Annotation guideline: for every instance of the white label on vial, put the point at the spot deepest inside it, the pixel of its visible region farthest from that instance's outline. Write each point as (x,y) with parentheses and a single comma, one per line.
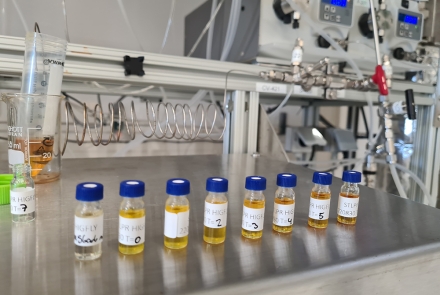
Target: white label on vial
(283,214)
(297,55)
(215,215)
(253,219)
(131,231)
(348,207)
(176,224)
(89,231)
(319,209)
(22,200)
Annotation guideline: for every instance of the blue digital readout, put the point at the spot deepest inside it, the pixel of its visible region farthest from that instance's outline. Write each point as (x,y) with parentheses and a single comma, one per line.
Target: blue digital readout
(342,3)
(408,19)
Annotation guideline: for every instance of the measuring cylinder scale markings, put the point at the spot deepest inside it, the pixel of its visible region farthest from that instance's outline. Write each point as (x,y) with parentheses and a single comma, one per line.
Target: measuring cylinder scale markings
(22,194)
(89,221)
(284,203)
(320,200)
(216,210)
(132,217)
(176,224)
(31,143)
(253,207)
(348,202)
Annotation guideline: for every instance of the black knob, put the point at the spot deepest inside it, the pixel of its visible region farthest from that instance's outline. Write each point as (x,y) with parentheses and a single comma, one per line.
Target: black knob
(295,24)
(286,18)
(364,26)
(399,53)
(410,107)
(323,43)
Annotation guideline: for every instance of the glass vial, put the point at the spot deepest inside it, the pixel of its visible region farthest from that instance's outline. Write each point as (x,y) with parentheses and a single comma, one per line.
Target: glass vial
(349,197)
(89,221)
(320,200)
(132,217)
(284,203)
(177,214)
(216,209)
(22,194)
(253,207)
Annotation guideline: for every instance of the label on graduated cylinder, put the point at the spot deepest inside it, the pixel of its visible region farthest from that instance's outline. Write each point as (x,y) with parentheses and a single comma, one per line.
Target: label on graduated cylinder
(319,209)
(176,224)
(253,219)
(215,215)
(131,231)
(283,214)
(89,231)
(348,207)
(22,200)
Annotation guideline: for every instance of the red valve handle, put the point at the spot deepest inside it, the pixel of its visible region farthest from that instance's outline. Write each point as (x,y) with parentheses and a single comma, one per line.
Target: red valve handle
(380,80)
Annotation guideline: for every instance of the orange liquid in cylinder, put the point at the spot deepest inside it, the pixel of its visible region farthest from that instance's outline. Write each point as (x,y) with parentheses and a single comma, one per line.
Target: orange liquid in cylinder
(37,152)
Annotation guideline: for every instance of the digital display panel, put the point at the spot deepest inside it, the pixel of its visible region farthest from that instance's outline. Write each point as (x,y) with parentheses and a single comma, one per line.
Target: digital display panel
(408,19)
(342,3)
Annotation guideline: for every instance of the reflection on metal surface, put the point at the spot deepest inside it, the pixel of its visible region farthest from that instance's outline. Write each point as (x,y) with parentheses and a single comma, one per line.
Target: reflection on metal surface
(212,264)
(24,255)
(88,277)
(130,273)
(280,246)
(317,246)
(249,256)
(173,269)
(346,241)
(269,143)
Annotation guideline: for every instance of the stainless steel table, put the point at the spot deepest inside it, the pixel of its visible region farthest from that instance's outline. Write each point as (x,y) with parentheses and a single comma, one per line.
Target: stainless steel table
(393,249)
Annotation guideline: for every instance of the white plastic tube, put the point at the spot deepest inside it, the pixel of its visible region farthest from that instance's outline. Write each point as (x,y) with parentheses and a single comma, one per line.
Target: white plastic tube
(422,186)
(282,104)
(170,21)
(234,18)
(397,181)
(211,30)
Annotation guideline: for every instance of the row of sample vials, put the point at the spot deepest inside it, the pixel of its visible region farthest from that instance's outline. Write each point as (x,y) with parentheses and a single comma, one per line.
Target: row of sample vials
(89,213)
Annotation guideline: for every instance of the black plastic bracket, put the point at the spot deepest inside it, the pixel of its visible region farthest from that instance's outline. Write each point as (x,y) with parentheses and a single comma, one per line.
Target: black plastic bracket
(410,107)
(134,66)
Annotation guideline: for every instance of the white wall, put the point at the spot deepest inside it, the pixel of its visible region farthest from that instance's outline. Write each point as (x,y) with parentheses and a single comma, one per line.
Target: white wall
(100,22)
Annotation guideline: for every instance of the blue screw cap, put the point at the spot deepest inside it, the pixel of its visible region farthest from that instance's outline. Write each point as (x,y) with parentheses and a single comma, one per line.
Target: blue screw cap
(178,187)
(323,178)
(352,176)
(286,180)
(255,183)
(89,192)
(217,185)
(132,188)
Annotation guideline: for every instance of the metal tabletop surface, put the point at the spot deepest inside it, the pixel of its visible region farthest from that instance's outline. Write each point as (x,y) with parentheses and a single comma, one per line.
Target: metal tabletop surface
(393,249)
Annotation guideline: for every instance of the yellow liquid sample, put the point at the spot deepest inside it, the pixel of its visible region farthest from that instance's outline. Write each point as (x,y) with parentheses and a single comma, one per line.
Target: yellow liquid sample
(135,249)
(176,243)
(254,204)
(347,220)
(40,152)
(288,228)
(214,235)
(315,222)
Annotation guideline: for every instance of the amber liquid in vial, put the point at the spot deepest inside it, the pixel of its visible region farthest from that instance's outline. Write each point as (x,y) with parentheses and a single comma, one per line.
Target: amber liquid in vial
(90,252)
(315,222)
(253,204)
(288,228)
(214,235)
(176,243)
(128,249)
(343,219)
